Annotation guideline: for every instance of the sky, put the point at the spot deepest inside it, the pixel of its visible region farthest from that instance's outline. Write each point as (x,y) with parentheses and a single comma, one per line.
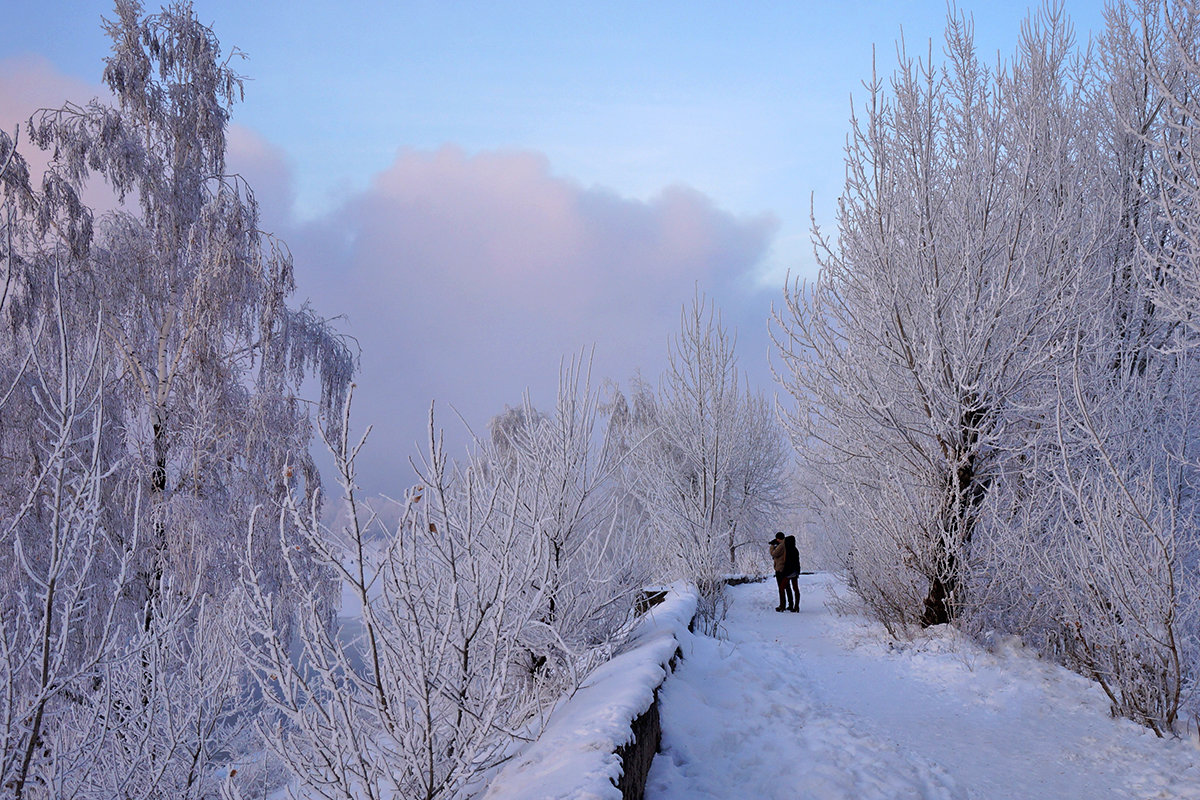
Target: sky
(481,190)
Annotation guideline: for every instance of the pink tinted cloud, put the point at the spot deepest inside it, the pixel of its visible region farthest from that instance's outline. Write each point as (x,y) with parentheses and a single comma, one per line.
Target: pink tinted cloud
(499,224)
(31,83)
(28,83)
(266,169)
(466,278)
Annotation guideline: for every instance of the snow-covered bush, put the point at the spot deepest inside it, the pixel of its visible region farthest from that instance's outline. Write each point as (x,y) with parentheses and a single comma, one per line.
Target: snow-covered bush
(492,596)
(427,694)
(558,471)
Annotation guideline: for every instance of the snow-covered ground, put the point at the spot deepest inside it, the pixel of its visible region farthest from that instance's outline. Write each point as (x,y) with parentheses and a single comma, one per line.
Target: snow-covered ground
(813,705)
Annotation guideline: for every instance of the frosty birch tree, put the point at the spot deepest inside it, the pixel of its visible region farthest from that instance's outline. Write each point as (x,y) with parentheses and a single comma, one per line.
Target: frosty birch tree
(56,557)
(194,293)
(93,706)
(194,359)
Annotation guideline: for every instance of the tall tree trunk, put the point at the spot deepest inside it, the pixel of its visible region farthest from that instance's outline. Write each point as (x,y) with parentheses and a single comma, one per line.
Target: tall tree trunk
(965,492)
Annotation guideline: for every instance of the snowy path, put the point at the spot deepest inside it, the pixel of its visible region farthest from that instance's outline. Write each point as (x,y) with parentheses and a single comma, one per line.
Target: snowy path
(812,705)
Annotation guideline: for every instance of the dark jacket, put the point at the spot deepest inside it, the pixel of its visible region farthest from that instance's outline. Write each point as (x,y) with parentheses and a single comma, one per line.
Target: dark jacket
(791,560)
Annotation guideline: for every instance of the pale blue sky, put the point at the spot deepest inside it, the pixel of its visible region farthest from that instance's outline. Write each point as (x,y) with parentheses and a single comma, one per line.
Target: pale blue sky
(482,189)
(745,102)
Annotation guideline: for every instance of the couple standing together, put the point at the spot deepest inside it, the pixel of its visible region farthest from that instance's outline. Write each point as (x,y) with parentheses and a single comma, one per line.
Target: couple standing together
(787,571)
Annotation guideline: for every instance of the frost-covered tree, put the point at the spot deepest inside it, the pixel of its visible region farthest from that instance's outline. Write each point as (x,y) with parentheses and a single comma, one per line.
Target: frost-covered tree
(1110,523)
(708,460)
(1093,556)
(191,294)
(1093,550)
(560,469)
(149,372)
(927,342)
(1160,43)
(995,370)
(425,683)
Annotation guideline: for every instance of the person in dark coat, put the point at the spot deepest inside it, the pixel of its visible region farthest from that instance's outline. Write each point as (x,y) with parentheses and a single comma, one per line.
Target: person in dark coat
(791,573)
(778,547)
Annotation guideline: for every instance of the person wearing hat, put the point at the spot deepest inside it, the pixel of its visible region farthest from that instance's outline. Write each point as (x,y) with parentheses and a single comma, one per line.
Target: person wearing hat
(779,553)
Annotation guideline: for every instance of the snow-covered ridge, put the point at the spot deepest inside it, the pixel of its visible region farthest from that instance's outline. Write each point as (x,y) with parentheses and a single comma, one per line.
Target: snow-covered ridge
(576,755)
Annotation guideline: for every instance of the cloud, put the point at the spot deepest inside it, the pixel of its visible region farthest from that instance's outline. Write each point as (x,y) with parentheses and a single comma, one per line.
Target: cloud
(31,83)
(466,278)
(266,169)
(28,83)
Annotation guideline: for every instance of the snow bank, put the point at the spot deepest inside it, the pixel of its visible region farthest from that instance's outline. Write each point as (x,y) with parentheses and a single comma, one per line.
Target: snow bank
(576,756)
